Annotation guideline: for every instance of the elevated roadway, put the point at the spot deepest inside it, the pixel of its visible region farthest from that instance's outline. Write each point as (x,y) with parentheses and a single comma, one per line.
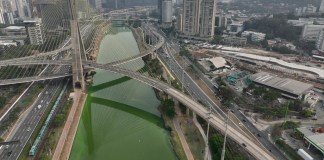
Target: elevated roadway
(202,111)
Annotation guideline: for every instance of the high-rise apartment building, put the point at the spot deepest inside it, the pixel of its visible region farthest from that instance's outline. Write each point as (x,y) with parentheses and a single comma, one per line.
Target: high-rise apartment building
(199,18)
(190,22)
(166,11)
(321,7)
(8,18)
(320,41)
(34,30)
(207,18)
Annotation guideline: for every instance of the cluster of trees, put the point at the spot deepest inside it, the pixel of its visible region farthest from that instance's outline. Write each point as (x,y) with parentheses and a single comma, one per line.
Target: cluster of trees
(168,108)
(274,27)
(185,52)
(273,111)
(268,95)
(283,50)
(3,101)
(155,67)
(62,114)
(216,141)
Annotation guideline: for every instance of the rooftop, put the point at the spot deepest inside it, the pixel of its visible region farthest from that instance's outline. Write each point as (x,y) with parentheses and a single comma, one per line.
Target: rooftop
(218,62)
(283,84)
(316,139)
(15,28)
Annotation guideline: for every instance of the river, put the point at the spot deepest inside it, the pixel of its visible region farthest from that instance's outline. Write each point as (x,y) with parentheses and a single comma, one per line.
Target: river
(120,120)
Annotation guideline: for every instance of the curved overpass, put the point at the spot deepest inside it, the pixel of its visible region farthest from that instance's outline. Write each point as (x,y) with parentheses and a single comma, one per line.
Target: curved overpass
(215,121)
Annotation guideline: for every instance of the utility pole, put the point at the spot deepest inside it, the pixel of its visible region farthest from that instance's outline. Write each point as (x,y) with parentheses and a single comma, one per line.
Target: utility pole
(182,79)
(286,115)
(224,145)
(207,134)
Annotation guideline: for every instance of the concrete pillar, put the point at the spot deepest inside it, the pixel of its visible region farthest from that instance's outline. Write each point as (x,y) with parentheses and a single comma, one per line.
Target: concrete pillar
(187,111)
(308,145)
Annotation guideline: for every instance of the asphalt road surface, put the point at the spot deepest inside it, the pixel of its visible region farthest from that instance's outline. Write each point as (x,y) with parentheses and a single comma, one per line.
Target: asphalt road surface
(195,91)
(25,130)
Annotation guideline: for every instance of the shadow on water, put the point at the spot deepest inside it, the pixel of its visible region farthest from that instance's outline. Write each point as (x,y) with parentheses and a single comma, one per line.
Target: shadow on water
(156,120)
(102,86)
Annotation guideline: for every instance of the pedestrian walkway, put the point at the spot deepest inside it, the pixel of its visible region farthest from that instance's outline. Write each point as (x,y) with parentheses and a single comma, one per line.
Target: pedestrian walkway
(183,141)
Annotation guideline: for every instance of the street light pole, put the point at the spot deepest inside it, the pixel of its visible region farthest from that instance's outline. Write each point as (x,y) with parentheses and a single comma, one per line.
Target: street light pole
(224,145)
(182,81)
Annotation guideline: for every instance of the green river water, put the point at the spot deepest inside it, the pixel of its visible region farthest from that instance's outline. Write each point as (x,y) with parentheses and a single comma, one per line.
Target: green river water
(120,120)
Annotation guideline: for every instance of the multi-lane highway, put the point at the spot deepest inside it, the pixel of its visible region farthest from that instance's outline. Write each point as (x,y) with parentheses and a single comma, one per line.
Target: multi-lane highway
(26,128)
(195,91)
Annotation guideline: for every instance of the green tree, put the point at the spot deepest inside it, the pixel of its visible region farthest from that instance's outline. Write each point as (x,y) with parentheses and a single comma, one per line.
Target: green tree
(217,39)
(271,95)
(306,113)
(3,101)
(168,108)
(59,120)
(137,23)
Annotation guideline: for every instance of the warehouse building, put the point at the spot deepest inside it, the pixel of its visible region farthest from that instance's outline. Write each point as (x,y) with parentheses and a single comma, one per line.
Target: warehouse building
(287,87)
(314,137)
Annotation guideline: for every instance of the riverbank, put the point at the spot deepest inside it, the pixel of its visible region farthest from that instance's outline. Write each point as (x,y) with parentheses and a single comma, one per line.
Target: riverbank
(94,47)
(64,146)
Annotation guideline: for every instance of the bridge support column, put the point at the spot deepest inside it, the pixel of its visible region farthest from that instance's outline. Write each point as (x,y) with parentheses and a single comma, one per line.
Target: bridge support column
(187,111)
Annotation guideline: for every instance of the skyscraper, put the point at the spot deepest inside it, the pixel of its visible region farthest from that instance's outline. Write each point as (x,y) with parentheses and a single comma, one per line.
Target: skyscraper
(207,18)
(321,8)
(199,18)
(190,19)
(166,11)
(320,41)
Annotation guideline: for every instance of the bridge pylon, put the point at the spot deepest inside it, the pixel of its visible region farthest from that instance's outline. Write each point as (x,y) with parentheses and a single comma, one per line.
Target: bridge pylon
(78,51)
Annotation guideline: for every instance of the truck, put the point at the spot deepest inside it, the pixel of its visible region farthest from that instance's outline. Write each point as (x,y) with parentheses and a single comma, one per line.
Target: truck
(304,155)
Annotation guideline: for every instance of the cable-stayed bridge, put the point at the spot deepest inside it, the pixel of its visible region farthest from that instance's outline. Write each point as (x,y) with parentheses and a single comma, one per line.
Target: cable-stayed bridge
(72,52)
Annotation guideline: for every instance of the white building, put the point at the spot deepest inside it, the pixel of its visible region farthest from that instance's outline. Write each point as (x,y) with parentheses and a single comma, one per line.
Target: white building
(310,9)
(167,11)
(235,28)
(35,31)
(320,41)
(255,36)
(7,43)
(14,30)
(310,32)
